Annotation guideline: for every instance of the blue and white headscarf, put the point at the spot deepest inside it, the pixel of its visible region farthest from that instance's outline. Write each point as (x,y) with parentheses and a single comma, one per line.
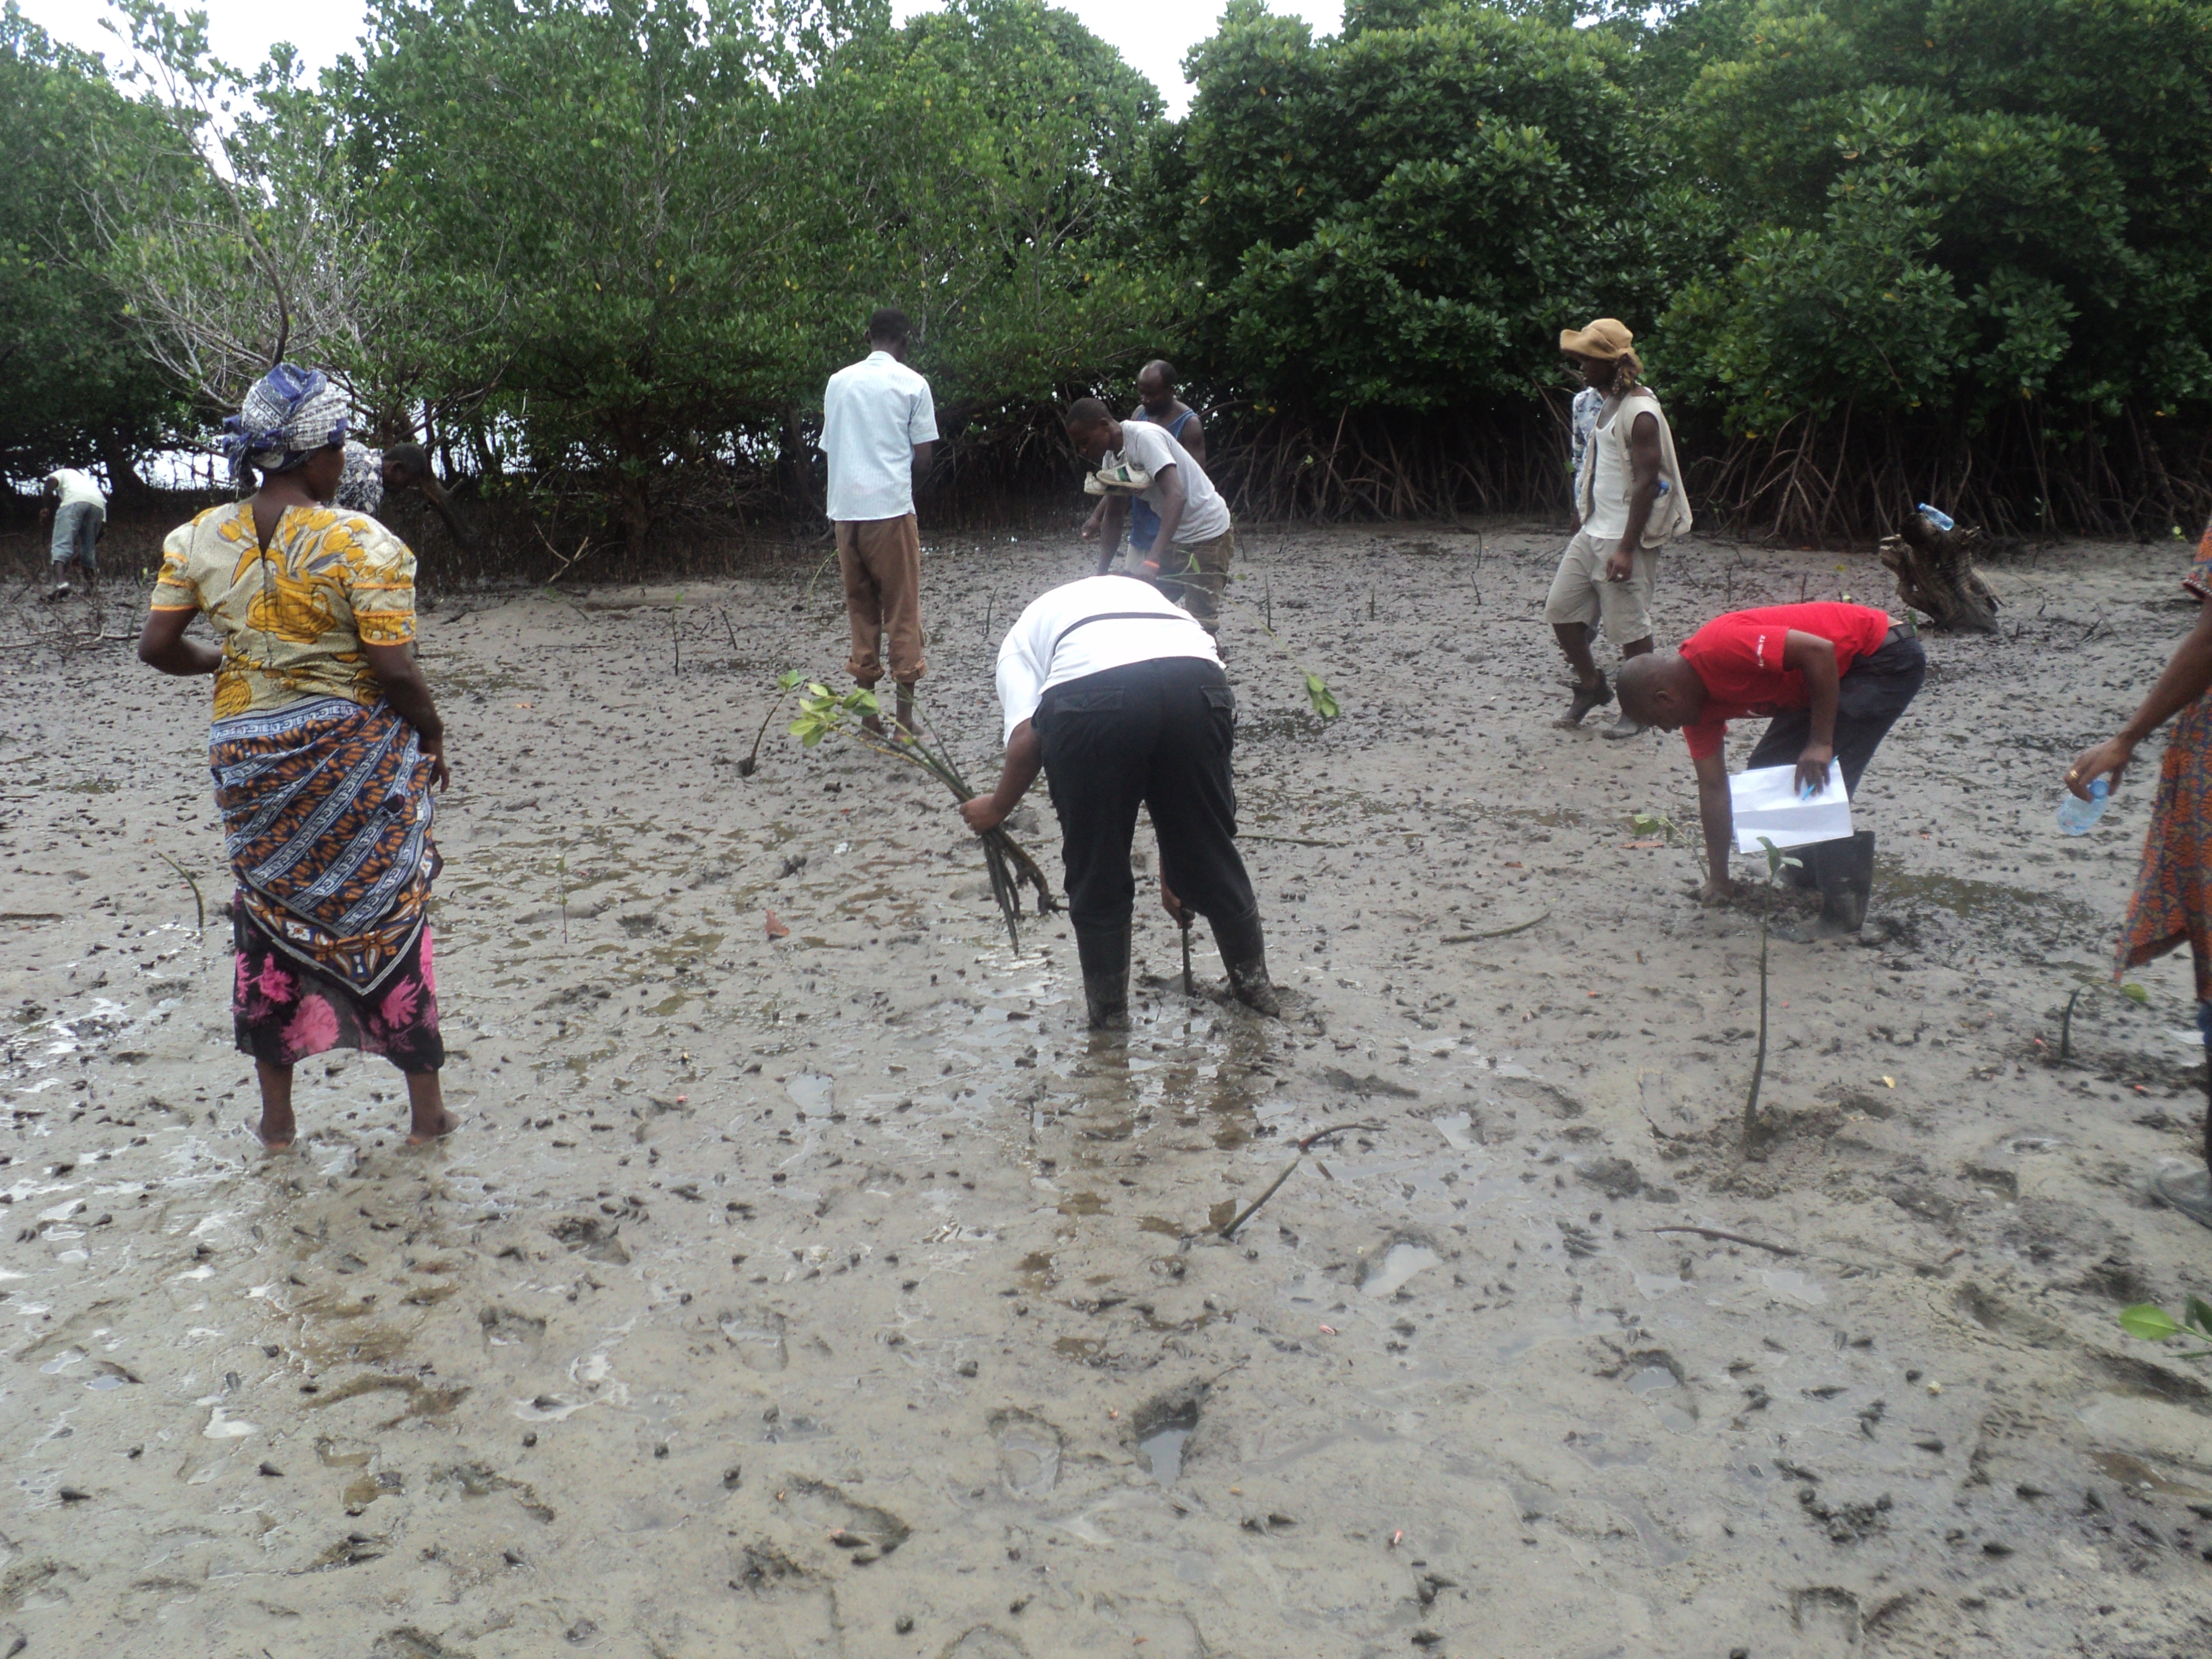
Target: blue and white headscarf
(290,413)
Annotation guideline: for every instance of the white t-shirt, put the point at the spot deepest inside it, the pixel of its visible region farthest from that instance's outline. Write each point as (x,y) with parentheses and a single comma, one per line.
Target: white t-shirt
(1205,514)
(1045,648)
(78,487)
(873,414)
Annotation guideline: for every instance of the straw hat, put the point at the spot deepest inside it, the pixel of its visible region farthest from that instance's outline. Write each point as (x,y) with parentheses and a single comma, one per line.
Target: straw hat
(1605,339)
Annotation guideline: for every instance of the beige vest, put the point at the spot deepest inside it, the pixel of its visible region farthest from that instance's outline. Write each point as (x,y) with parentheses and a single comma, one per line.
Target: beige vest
(1610,479)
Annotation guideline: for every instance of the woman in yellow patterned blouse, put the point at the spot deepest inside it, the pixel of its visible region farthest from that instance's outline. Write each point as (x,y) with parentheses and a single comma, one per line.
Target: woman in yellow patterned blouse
(325,747)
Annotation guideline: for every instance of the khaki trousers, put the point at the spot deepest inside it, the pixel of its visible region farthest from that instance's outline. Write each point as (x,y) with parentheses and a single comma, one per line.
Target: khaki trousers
(881,561)
(1196,574)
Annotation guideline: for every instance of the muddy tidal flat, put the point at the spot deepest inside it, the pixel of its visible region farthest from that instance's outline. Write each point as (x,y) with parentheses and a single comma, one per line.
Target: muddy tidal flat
(836,1294)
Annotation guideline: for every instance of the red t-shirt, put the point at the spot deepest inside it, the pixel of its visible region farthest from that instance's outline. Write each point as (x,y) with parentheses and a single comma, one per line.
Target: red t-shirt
(1739,657)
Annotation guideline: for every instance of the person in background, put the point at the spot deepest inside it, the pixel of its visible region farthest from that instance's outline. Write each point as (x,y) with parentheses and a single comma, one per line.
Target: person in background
(79,508)
(1118,695)
(369,473)
(879,431)
(1196,541)
(2172,901)
(326,747)
(1158,404)
(1834,676)
(1629,502)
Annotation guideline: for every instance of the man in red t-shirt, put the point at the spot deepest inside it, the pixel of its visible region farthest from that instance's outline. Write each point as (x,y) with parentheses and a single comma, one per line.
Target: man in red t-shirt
(1834,678)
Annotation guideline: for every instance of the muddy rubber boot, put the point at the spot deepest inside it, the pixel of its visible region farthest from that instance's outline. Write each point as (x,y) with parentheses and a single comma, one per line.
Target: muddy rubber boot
(1587,697)
(1105,954)
(1843,872)
(1244,949)
(2189,1191)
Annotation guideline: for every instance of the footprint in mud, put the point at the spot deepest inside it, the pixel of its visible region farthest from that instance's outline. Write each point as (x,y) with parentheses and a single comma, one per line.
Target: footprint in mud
(984,1643)
(863,1531)
(1650,1376)
(504,1327)
(1162,1427)
(758,1335)
(1829,1619)
(1028,1453)
(597,1240)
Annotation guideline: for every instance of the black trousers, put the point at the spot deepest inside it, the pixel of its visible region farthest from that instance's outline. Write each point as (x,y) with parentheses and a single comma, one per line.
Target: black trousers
(1157,734)
(1868,699)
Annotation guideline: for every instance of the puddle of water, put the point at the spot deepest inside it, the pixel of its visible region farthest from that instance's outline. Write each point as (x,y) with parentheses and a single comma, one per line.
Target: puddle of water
(1782,1281)
(1456,1129)
(811,1091)
(1159,1224)
(1650,1383)
(1400,1263)
(1160,1449)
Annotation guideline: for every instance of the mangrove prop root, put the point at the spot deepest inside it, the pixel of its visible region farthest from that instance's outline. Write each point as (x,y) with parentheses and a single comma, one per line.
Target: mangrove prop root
(1496,932)
(199,904)
(2066,1026)
(1252,1209)
(1730,1238)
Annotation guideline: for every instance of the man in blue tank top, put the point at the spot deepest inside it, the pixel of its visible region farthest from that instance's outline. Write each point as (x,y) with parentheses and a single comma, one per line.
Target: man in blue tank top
(1156,389)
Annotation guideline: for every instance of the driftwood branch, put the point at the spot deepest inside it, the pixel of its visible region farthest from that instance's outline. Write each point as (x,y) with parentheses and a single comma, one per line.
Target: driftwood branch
(1935,571)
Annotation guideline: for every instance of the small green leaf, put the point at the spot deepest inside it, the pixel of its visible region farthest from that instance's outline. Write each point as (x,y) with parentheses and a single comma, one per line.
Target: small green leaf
(1323,699)
(2134,993)
(2149,1321)
(2199,1314)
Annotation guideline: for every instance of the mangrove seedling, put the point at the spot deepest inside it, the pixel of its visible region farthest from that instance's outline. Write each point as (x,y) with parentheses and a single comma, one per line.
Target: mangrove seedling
(2152,1323)
(786,683)
(823,713)
(1777,862)
(199,904)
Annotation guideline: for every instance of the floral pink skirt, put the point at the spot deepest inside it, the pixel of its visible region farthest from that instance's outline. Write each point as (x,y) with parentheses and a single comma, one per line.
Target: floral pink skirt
(283,1011)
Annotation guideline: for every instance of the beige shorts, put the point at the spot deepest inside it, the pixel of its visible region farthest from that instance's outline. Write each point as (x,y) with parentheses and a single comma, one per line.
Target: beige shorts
(1580,593)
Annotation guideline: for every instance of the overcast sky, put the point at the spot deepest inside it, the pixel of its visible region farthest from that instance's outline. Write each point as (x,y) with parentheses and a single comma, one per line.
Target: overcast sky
(1152,35)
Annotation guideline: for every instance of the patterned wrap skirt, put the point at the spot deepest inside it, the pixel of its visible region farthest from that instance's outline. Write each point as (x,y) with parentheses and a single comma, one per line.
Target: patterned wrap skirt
(326,811)
(2173,902)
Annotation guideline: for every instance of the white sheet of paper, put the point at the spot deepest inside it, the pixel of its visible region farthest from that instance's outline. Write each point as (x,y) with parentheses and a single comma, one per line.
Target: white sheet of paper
(1765,803)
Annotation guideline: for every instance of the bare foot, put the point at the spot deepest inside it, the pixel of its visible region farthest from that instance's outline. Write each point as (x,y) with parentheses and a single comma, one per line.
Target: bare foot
(447,1123)
(270,1143)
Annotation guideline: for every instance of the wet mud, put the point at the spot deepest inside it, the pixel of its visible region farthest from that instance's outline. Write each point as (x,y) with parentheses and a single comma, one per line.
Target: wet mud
(838,1294)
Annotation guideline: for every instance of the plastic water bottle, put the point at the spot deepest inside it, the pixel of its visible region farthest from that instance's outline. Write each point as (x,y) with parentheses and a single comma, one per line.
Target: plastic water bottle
(2076,815)
(1941,521)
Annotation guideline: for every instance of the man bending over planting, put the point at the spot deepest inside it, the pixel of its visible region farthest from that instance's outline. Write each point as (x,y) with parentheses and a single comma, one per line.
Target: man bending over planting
(1833,677)
(1118,698)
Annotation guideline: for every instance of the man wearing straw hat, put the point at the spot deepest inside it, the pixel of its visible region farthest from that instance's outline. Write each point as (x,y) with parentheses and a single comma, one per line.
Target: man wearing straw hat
(1629,502)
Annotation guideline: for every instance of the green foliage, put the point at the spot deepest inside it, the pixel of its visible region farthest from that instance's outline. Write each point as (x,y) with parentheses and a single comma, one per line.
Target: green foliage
(79,386)
(1962,204)
(823,713)
(604,253)
(1403,217)
(2152,1323)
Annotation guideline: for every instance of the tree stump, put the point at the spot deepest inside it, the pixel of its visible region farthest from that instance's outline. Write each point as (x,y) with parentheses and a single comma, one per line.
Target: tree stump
(1935,573)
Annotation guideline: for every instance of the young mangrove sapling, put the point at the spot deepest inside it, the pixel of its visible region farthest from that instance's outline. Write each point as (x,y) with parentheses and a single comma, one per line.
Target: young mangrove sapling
(822,713)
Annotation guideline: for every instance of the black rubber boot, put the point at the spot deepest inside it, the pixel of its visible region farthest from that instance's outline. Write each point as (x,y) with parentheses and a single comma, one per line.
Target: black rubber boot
(1244,949)
(1843,872)
(1105,954)
(1586,698)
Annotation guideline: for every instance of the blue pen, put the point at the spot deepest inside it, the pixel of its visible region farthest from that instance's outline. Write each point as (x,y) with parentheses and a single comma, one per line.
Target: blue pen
(1805,794)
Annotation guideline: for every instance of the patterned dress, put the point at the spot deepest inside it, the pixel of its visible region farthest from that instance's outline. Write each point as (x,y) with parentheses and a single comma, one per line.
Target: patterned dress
(2173,902)
(325,791)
